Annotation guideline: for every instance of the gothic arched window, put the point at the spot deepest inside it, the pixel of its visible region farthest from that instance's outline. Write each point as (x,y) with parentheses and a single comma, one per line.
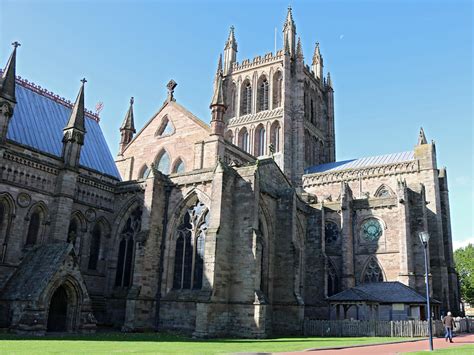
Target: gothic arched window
(34,227)
(94,249)
(163,162)
(373,272)
(275,136)
(277,89)
(123,276)
(4,218)
(178,166)
(262,96)
(144,172)
(190,243)
(260,141)
(246,98)
(72,231)
(244,139)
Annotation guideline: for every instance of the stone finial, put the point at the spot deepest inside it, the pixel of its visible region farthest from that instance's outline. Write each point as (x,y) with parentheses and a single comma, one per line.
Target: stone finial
(219,65)
(422,137)
(171,86)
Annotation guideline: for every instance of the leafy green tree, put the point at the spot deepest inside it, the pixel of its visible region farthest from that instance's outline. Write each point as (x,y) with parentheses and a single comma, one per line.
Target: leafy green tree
(464,260)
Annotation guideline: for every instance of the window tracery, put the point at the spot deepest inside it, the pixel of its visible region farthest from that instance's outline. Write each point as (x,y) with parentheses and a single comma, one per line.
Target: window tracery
(132,227)
(373,272)
(190,248)
(371,230)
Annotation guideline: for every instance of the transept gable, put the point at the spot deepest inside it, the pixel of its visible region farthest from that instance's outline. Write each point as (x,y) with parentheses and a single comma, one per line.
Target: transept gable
(171,119)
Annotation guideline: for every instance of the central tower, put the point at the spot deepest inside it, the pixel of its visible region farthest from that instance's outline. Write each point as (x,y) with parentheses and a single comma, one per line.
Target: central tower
(276,104)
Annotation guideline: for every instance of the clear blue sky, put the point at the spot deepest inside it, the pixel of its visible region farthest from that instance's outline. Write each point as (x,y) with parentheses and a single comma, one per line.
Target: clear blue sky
(396,65)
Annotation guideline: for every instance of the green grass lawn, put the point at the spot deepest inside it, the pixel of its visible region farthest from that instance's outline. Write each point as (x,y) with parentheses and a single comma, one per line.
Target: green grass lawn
(151,343)
(458,350)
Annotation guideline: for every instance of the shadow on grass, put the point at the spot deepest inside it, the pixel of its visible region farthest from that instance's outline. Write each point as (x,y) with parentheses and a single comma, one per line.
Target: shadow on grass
(167,337)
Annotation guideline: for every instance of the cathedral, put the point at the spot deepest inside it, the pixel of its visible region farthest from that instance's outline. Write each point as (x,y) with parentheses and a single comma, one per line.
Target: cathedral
(244,227)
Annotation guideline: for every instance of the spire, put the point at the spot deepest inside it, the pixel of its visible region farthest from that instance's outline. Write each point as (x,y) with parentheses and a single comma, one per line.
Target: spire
(128,122)
(230,51)
(317,54)
(231,42)
(329,81)
(289,34)
(422,137)
(299,49)
(219,65)
(289,19)
(217,105)
(7,81)
(76,120)
(218,97)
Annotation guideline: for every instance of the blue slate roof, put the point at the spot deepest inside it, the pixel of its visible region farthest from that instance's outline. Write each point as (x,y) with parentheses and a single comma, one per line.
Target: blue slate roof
(38,121)
(381,292)
(361,162)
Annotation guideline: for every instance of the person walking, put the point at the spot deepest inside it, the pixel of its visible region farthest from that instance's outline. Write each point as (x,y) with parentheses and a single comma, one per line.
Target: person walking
(448,323)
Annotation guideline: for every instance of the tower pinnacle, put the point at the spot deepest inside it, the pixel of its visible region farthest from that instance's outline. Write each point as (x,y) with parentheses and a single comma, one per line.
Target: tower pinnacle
(230,51)
(289,34)
(422,137)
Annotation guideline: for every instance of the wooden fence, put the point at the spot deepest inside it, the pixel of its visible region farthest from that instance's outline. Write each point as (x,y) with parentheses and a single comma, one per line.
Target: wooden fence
(360,328)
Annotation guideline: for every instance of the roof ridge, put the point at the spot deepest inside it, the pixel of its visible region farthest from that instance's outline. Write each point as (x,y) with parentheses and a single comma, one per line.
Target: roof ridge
(52,96)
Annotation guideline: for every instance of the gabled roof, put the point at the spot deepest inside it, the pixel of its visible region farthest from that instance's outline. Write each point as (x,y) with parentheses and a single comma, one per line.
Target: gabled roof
(361,162)
(38,122)
(380,292)
(35,271)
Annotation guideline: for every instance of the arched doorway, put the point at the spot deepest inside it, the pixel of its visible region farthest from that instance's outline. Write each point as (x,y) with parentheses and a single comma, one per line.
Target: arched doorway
(57,318)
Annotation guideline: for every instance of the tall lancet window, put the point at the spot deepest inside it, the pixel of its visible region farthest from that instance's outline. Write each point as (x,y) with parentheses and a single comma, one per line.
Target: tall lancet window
(246,98)
(190,243)
(263,95)
(260,141)
(123,276)
(244,139)
(277,89)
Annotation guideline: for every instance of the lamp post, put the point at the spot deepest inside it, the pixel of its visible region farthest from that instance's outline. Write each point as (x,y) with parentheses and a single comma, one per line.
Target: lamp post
(425,237)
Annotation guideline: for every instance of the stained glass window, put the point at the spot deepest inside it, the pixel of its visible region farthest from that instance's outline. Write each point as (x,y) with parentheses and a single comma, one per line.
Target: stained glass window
(371,230)
(331,231)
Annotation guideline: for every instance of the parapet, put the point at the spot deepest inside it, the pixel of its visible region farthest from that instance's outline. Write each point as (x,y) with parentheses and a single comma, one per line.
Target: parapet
(258,60)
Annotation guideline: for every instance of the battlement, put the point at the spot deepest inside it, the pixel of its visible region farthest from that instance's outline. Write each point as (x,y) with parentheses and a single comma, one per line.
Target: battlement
(258,60)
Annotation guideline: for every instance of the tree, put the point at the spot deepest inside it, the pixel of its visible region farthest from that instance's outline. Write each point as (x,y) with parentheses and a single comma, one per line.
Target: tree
(464,260)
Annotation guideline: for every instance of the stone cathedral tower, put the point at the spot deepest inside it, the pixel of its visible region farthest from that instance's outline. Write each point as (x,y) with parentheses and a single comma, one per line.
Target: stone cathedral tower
(277,103)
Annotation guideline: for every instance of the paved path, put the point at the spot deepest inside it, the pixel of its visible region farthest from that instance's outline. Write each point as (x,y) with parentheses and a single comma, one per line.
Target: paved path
(398,348)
